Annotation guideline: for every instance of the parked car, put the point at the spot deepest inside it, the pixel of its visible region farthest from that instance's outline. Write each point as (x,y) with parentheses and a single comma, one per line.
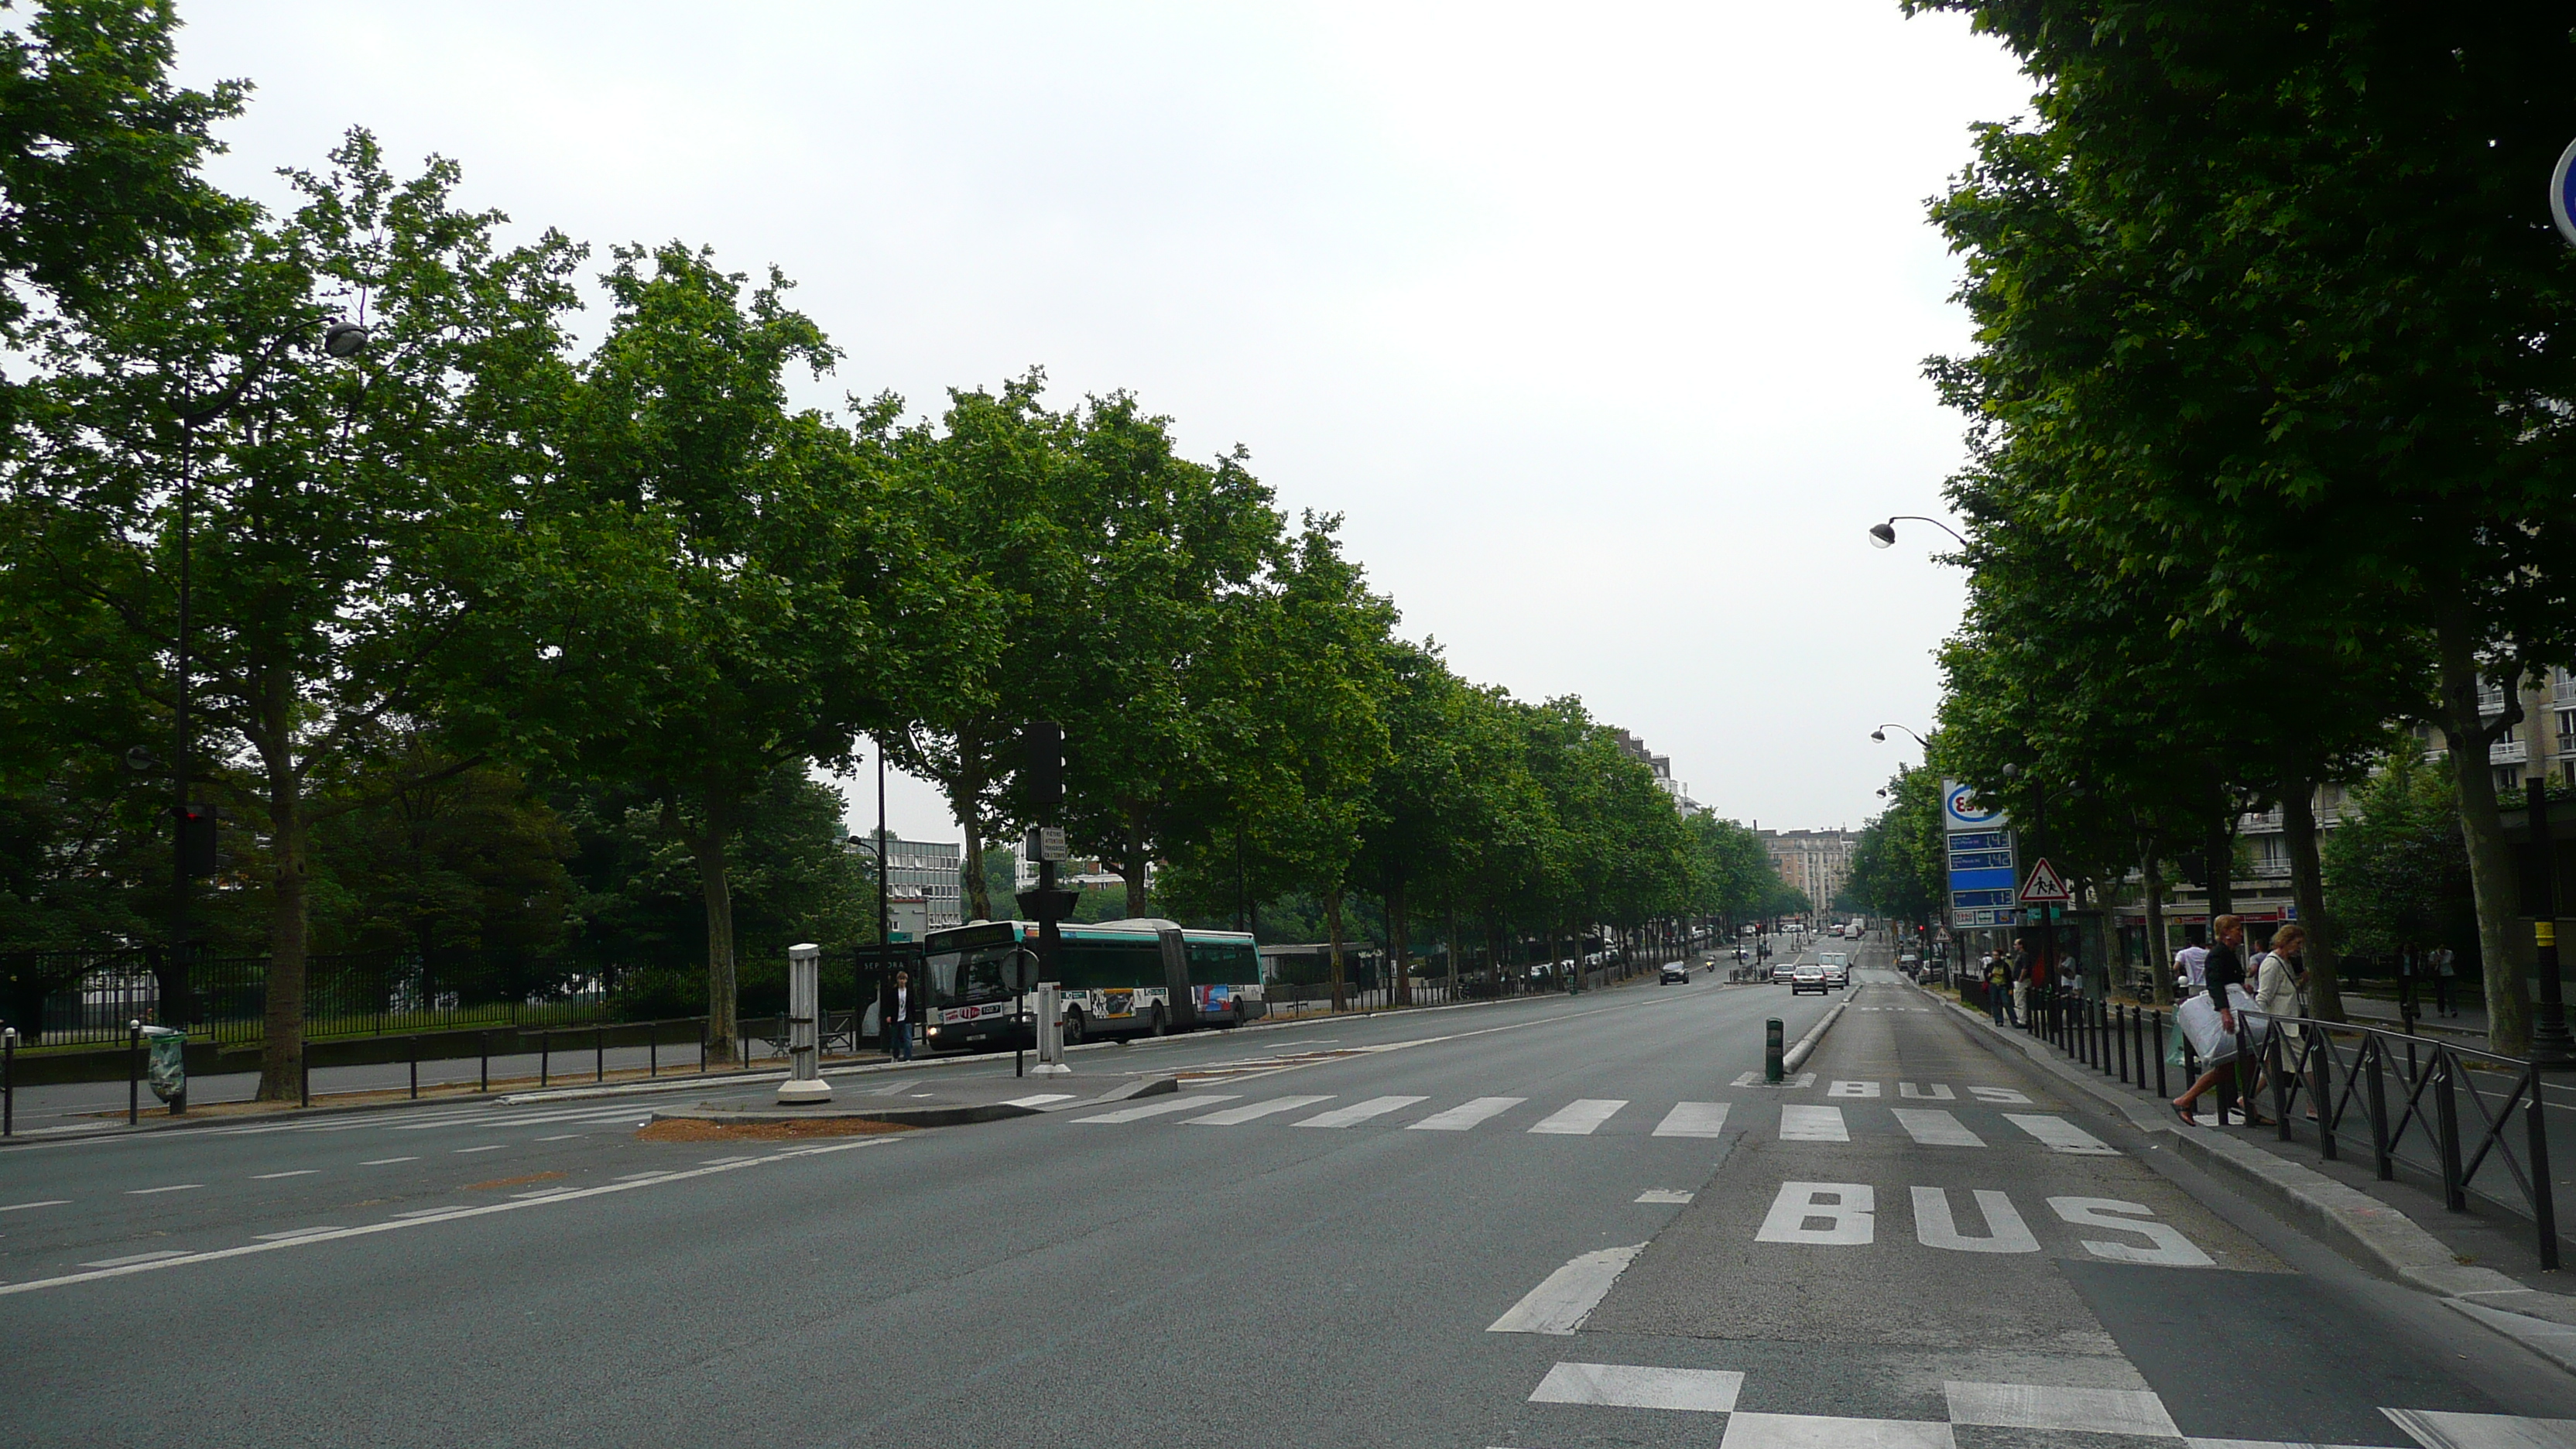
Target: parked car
(1674,972)
(1810,977)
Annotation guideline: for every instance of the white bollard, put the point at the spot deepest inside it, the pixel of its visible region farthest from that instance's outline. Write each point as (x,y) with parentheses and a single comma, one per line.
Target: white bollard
(1050,1032)
(804,1082)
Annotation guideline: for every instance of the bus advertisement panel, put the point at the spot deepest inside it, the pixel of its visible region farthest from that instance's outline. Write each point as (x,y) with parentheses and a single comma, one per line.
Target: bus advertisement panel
(1116,978)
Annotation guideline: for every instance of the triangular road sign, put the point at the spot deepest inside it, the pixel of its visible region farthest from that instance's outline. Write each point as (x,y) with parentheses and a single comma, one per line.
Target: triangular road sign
(2045,885)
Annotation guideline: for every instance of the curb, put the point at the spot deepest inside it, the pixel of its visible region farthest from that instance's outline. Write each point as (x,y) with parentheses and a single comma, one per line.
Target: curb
(2363,1228)
(1796,1056)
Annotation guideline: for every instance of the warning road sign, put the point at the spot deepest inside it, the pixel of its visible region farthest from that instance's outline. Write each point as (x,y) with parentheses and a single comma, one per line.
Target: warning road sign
(2045,886)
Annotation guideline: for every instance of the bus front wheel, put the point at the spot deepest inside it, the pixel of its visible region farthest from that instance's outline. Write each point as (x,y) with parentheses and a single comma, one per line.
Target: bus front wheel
(1073,1028)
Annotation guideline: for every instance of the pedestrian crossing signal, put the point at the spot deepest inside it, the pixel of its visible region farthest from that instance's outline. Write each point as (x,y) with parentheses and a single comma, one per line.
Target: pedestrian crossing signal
(1043,769)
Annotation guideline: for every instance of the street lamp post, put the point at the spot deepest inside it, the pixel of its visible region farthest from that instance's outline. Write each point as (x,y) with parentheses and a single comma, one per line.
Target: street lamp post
(1883,535)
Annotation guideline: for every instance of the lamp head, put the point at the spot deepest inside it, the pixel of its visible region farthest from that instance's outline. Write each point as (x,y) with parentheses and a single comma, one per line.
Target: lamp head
(345,339)
(1880,735)
(1883,535)
(2012,772)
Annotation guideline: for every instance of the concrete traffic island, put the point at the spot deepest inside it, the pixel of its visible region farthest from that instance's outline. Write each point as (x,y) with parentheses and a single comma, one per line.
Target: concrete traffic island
(905,1106)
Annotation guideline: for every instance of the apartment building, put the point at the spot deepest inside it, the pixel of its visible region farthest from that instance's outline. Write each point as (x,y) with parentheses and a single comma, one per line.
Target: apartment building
(1815,861)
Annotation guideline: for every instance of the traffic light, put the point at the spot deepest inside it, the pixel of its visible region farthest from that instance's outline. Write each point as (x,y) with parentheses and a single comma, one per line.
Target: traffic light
(1043,771)
(196,839)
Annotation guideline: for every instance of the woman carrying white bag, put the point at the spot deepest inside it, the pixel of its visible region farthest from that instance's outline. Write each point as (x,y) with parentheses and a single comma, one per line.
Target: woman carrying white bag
(2211,1022)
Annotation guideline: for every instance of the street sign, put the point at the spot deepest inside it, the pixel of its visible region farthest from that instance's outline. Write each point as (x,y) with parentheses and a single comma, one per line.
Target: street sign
(2045,886)
(1046,842)
(2562,194)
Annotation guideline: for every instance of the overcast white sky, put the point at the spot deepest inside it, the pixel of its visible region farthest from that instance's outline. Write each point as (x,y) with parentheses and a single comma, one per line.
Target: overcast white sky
(1602,324)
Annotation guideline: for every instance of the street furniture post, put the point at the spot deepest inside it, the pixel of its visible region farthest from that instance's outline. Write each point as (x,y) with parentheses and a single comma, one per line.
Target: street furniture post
(1051,1030)
(804,1082)
(1771,1051)
(133,1071)
(2550,1043)
(167,1068)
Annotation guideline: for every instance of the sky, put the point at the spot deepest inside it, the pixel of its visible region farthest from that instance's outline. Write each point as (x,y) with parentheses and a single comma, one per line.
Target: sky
(1601,325)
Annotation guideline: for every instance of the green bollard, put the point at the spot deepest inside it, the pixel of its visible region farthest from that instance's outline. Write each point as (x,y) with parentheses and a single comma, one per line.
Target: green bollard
(1771,1049)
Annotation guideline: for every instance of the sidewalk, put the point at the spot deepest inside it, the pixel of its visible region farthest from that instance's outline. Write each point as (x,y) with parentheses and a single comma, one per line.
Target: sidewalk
(2483,1262)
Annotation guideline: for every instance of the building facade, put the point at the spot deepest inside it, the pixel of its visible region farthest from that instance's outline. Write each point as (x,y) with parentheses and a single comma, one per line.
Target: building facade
(1662,765)
(1817,862)
(923,871)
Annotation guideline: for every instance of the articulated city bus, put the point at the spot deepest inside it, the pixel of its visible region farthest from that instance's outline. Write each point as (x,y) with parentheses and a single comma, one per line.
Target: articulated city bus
(1118,977)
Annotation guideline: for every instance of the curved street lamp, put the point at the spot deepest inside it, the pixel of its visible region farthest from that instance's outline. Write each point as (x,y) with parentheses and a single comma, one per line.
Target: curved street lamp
(1880,734)
(1883,535)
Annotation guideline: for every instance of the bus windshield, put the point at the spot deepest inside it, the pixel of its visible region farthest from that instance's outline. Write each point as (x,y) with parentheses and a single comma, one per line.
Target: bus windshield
(962,978)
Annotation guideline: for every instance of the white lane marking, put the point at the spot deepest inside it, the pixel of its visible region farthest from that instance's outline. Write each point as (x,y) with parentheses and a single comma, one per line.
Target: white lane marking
(1754,1079)
(1847,1208)
(386,1161)
(1852,1089)
(273,1176)
(134,1258)
(1157,1109)
(1693,1119)
(2061,1135)
(1999,1096)
(1237,1116)
(2005,1231)
(561,1137)
(174,1187)
(1663,1194)
(1358,1112)
(2482,1431)
(1466,1114)
(426,1216)
(639,1176)
(1932,1127)
(1935,1092)
(494,1147)
(1626,1386)
(1813,1124)
(2168,1248)
(1581,1117)
(1039,1100)
(724,1161)
(296,1233)
(19,1207)
(1561,1302)
(1818,1431)
(2036,1406)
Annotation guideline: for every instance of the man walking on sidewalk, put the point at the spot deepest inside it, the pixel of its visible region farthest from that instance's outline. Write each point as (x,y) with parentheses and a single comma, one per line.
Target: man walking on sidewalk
(2441,961)
(899,1018)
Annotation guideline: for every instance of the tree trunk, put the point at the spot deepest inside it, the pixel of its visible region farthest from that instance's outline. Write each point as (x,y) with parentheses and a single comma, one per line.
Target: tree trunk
(967,804)
(707,847)
(2220,843)
(2308,888)
(1449,909)
(281,1052)
(1333,933)
(2492,879)
(2159,960)
(1138,906)
(1399,946)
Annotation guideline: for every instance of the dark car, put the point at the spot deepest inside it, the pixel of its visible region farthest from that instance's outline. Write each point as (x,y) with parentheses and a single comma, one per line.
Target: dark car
(1675,971)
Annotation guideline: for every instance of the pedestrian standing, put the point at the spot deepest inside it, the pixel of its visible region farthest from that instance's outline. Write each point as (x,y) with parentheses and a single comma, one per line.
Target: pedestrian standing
(2443,970)
(2190,961)
(2222,969)
(1998,986)
(2025,966)
(899,1032)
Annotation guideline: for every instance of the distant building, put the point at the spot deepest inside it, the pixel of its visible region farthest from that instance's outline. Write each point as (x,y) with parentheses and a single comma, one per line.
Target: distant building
(1662,765)
(1815,861)
(927,872)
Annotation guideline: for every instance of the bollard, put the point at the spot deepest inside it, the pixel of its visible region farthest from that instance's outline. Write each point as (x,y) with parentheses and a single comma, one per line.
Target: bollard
(1051,1030)
(545,1056)
(415,1069)
(1771,1050)
(599,1045)
(8,1080)
(804,1082)
(303,1079)
(133,1071)
(653,1049)
(483,1073)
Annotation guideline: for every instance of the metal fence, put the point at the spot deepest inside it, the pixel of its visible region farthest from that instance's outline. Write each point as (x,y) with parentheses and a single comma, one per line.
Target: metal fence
(2444,1113)
(224,999)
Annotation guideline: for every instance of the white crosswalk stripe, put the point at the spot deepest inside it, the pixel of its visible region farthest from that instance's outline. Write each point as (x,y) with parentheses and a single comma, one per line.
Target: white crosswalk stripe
(1466,1115)
(1237,1116)
(1358,1112)
(1693,1119)
(1581,1117)
(1933,1127)
(1158,1108)
(1812,1124)
(2061,1135)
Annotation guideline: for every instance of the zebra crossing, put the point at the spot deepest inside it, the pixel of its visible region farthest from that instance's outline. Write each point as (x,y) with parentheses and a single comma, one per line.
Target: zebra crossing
(2138,1415)
(1834,1121)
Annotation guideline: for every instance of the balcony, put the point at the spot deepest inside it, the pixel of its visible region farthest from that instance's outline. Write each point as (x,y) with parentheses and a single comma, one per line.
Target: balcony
(2508,752)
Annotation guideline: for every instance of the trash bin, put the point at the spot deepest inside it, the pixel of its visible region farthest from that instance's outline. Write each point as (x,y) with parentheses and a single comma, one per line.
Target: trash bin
(166,1067)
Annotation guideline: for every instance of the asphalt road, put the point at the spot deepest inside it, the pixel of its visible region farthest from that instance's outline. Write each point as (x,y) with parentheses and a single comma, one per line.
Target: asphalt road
(1562,1221)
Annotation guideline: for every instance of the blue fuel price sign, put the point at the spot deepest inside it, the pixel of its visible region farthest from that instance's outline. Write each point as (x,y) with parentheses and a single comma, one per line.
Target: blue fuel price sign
(1984,874)
(2562,194)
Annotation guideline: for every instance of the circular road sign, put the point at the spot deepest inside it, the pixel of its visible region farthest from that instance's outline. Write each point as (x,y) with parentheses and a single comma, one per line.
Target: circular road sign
(2562,194)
